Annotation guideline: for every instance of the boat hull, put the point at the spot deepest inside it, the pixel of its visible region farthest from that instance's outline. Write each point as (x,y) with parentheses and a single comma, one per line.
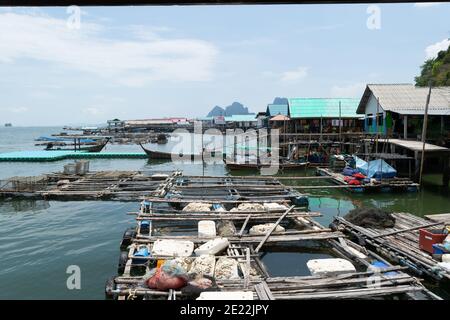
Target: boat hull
(255,166)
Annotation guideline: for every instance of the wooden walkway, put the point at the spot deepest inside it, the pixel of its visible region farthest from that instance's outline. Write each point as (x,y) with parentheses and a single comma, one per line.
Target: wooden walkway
(413,145)
(400,244)
(385,185)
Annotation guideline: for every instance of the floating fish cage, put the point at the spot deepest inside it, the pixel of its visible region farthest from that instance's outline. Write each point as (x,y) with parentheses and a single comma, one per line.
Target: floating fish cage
(194,240)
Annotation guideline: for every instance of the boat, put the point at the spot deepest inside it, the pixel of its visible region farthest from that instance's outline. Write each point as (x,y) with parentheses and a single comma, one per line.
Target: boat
(168,155)
(62,146)
(8,124)
(282,165)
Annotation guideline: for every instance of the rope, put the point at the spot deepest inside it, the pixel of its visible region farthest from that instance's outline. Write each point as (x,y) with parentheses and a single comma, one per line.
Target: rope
(131,294)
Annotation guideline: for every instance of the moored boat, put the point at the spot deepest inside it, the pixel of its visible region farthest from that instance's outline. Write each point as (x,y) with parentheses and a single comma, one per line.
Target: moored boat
(57,146)
(167,155)
(282,165)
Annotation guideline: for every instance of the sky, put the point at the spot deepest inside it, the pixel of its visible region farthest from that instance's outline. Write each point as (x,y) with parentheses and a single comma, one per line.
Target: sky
(152,62)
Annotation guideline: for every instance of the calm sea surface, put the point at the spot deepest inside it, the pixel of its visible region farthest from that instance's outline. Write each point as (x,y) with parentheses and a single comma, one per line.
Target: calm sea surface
(40,239)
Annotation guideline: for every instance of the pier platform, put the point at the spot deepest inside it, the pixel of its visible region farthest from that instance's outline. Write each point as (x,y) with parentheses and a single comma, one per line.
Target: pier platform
(42,155)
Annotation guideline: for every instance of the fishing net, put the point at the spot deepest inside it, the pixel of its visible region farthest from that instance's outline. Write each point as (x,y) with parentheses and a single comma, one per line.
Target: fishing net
(370,218)
(248,207)
(226,228)
(264,228)
(226,268)
(197,206)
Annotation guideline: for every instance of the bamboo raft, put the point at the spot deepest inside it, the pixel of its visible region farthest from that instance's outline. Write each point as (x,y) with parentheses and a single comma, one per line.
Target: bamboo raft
(399,244)
(345,286)
(359,285)
(386,185)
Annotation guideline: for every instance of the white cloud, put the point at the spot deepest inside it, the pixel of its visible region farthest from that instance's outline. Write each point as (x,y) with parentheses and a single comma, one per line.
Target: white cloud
(426,4)
(432,50)
(15,109)
(129,62)
(354,90)
(295,75)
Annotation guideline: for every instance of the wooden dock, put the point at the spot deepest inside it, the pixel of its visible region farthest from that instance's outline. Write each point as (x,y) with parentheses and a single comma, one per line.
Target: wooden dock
(45,156)
(400,244)
(134,185)
(385,185)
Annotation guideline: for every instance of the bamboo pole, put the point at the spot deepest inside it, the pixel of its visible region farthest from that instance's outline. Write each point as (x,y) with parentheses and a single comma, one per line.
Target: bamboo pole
(424,132)
(272,229)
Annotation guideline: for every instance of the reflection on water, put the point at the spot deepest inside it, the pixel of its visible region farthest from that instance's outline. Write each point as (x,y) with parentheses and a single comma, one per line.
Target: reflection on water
(23,206)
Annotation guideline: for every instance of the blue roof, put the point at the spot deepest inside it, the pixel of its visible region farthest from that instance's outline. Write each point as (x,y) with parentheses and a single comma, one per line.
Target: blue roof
(275,109)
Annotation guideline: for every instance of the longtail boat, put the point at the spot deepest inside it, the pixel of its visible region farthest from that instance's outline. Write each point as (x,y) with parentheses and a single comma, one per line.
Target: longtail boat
(89,147)
(282,165)
(168,155)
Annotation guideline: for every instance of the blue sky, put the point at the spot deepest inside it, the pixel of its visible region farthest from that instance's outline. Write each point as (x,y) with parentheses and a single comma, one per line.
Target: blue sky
(143,62)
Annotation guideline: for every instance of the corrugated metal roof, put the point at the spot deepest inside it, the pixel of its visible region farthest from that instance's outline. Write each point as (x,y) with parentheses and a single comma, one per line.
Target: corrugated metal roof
(274,109)
(241,118)
(322,107)
(407,99)
(233,118)
(280,117)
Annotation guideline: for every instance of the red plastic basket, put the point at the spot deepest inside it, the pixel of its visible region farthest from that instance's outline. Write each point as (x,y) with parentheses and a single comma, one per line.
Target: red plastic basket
(429,237)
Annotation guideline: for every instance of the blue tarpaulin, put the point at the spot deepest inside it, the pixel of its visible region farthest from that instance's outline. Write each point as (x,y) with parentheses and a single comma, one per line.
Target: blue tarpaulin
(378,169)
(360,164)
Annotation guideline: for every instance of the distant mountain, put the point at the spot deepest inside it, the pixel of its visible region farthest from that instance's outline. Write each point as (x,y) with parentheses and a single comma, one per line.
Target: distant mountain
(216,112)
(233,109)
(279,100)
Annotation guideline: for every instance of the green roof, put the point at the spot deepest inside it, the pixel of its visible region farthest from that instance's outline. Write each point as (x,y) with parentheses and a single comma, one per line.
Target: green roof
(322,107)
(275,109)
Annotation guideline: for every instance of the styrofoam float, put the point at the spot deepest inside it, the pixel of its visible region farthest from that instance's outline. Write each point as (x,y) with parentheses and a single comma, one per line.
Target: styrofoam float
(212,246)
(330,267)
(226,295)
(174,248)
(206,228)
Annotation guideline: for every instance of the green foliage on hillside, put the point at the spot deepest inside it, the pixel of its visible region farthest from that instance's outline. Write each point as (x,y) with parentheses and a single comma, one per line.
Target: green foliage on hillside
(438,70)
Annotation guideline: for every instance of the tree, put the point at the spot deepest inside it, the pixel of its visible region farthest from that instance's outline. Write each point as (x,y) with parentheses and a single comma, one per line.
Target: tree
(437,70)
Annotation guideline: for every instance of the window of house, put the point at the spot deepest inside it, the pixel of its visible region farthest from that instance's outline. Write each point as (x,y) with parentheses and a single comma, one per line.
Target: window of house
(380,119)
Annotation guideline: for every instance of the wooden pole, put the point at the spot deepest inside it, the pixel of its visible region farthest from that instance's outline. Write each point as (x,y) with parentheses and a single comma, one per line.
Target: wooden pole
(424,133)
(376,124)
(272,229)
(340,127)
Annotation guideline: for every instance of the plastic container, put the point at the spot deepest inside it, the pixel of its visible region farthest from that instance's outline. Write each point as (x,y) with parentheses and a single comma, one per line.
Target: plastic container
(82,167)
(226,295)
(146,206)
(429,237)
(206,228)
(218,207)
(145,226)
(70,168)
(173,248)
(330,267)
(212,247)
(141,252)
(300,201)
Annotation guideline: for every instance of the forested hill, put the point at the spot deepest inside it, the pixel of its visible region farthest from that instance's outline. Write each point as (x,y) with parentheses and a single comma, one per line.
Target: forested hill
(438,70)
